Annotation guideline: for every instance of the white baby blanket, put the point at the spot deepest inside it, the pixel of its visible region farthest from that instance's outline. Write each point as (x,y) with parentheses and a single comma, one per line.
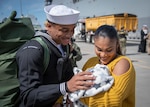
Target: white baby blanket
(102,82)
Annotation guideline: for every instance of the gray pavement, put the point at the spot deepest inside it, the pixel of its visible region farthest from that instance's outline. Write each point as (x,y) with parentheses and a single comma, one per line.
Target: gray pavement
(141,62)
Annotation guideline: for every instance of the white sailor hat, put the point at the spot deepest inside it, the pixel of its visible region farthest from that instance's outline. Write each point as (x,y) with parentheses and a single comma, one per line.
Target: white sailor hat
(61,14)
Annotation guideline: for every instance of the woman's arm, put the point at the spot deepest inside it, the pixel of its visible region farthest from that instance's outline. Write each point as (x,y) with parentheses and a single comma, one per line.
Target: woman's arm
(121,67)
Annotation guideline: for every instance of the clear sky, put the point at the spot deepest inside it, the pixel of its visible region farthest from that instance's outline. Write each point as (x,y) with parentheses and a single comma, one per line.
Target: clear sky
(25,7)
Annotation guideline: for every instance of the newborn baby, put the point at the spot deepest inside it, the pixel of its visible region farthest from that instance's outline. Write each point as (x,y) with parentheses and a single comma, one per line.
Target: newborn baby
(102,82)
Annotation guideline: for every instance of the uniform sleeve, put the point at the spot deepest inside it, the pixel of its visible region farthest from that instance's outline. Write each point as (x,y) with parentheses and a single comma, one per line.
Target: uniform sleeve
(30,64)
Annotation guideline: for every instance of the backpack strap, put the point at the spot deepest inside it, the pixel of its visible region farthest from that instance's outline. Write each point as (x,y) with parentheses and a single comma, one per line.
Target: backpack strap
(48,47)
(68,50)
(46,51)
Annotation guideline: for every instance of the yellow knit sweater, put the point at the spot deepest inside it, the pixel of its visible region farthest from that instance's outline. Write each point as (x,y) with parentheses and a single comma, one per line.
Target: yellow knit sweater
(121,94)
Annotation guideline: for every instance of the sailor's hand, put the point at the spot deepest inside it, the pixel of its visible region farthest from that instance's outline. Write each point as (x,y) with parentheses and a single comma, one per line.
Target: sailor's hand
(80,81)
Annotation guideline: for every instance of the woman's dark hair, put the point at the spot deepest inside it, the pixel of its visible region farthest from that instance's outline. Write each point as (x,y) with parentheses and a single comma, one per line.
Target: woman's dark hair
(110,32)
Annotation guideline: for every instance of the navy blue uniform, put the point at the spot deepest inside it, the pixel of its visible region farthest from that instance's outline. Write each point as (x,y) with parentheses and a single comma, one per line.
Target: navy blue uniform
(39,88)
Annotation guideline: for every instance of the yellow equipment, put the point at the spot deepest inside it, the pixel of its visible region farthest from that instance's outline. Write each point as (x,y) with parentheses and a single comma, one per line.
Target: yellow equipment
(129,21)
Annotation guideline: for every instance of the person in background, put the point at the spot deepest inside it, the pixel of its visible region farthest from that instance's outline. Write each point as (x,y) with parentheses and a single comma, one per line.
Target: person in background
(148,43)
(107,49)
(122,37)
(42,88)
(142,45)
(75,53)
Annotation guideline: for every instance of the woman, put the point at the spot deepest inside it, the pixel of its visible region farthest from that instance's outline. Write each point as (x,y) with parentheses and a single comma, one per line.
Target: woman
(107,49)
